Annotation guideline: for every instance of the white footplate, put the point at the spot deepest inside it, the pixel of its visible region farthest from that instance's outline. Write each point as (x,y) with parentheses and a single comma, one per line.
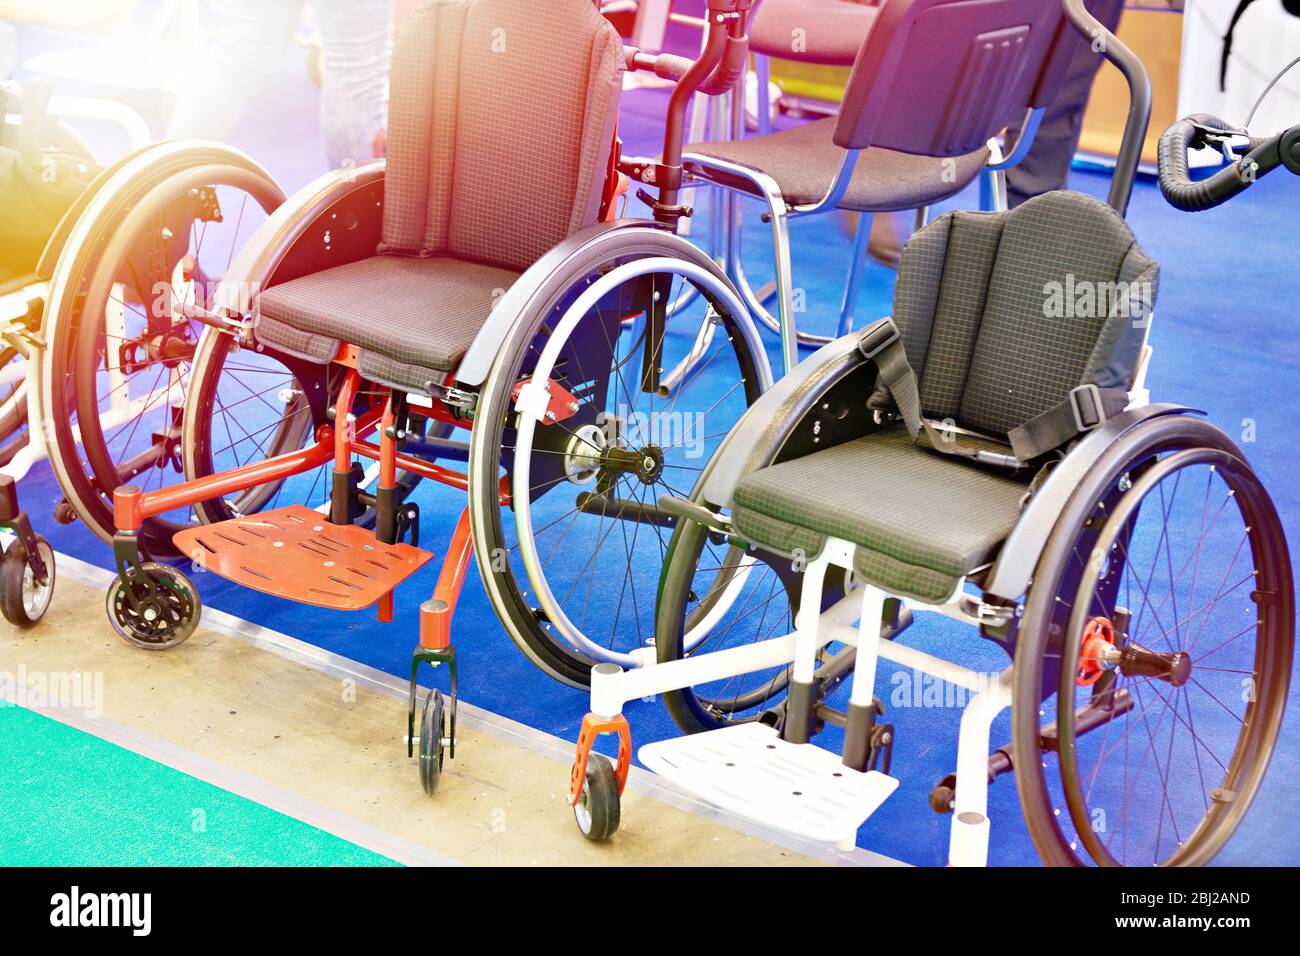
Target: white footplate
(748,770)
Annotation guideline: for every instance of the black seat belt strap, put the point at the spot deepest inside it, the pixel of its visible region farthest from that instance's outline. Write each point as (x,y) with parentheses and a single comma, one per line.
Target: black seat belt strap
(1084,409)
(882,344)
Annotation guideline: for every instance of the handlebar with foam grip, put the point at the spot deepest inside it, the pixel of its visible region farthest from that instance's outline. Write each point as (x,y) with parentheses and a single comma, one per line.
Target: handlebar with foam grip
(1175,178)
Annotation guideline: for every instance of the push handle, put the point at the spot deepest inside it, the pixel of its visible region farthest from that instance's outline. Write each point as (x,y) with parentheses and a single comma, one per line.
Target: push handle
(719,67)
(1202,129)
(1139,112)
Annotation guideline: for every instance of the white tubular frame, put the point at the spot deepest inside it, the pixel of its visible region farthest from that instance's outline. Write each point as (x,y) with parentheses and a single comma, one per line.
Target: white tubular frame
(612,688)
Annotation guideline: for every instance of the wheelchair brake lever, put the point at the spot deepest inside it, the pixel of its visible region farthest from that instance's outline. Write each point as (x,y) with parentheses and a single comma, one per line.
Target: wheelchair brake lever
(214,320)
(1220,139)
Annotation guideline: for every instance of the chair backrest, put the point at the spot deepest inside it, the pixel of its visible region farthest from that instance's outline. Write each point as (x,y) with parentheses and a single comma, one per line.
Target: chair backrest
(502,117)
(825,32)
(941,77)
(1003,314)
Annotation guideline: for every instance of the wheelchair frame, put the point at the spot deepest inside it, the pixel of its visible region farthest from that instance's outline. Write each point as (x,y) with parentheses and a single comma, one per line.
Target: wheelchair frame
(292,230)
(742,182)
(26,324)
(880,617)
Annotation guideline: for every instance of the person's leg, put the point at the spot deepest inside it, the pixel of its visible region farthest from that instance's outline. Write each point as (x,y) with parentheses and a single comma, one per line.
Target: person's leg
(356,49)
(1047,166)
(245,42)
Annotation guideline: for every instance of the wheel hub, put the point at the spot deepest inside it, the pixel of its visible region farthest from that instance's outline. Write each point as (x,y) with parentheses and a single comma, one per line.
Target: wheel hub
(585,453)
(1100,652)
(645,463)
(1097,653)
(1173,667)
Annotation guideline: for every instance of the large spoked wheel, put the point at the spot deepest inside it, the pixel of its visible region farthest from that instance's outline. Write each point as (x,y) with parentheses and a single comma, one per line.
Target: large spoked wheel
(1162,618)
(572,561)
(120,346)
(715,596)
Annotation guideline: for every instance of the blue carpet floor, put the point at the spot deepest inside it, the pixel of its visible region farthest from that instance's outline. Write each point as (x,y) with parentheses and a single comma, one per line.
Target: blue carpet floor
(1224,342)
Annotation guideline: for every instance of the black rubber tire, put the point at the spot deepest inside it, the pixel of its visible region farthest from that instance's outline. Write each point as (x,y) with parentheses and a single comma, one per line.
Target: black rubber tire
(81,481)
(1051,590)
(549,651)
(14,580)
(688,709)
(433,728)
(598,809)
(179,602)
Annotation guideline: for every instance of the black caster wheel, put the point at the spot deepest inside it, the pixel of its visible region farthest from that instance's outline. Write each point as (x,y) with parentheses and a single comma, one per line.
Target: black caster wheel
(25,602)
(433,733)
(163,615)
(597,809)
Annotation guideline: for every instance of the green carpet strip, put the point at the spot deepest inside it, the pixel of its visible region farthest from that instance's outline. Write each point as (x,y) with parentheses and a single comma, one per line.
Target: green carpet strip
(68,798)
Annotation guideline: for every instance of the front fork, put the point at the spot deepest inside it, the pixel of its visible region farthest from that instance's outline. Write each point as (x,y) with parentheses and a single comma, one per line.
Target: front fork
(14,519)
(432,657)
(592,727)
(435,627)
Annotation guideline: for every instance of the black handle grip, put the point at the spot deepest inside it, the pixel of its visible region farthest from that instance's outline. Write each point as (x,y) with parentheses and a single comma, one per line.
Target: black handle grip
(1175,178)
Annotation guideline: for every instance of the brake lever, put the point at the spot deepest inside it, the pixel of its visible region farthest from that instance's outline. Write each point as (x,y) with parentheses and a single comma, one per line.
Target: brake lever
(1220,139)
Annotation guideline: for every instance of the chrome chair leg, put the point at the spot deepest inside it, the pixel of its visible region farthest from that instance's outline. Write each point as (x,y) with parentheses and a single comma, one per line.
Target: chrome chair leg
(853,282)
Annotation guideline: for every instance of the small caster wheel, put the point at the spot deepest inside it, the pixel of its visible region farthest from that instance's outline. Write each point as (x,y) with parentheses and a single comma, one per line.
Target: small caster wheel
(64,513)
(433,731)
(597,809)
(941,798)
(25,602)
(161,619)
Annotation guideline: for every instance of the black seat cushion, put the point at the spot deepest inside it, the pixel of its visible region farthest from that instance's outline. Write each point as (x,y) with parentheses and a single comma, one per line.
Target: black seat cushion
(1003,313)
(409,317)
(804,160)
(922,521)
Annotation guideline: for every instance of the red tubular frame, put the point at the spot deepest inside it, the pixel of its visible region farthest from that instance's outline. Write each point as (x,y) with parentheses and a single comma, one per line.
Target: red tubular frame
(418,466)
(338,443)
(131,506)
(435,615)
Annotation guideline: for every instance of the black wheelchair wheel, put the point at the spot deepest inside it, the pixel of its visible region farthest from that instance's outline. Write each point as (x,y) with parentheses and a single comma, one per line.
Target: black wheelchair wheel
(571,562)
(598,809)
(25,601)
(433,731)
(120,349)
(154,607)
(1162,619)
(734,597)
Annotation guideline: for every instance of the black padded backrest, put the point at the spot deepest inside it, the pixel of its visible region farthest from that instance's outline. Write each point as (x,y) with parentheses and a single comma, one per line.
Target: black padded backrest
(501,122)
(1003,314)
(941,77)
(825,32)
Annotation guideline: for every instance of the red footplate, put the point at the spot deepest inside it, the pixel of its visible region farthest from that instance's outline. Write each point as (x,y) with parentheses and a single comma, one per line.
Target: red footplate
(296,553)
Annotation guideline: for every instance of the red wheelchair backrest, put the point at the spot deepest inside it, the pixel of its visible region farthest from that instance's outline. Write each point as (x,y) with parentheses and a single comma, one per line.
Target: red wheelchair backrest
(501,121)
